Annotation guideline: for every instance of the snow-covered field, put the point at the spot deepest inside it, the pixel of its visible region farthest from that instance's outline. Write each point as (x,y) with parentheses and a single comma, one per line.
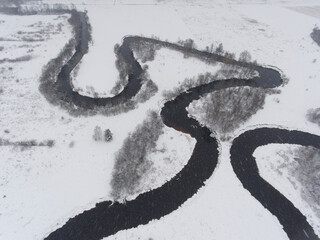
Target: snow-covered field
(41,187)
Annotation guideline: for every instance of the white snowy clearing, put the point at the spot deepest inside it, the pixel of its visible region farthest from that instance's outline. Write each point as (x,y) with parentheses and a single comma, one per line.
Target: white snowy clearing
(41,187)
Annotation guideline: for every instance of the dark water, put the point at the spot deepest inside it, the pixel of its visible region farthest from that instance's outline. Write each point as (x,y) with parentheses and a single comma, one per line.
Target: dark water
(64,84)
(245,167)
(107,218)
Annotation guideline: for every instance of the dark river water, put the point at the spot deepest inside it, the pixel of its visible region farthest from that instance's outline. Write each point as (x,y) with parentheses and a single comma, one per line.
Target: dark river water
(107,218)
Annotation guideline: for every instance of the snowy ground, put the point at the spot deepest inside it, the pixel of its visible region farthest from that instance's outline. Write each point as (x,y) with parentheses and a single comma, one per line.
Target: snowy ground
(270,160)
(43,187)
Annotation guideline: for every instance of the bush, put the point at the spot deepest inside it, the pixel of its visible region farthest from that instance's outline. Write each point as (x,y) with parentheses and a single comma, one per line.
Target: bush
(245,56)
(10,3)
(107,135)
(219,50)
(315,35)
(14,60)
(123,69)
(187,44)
(27,144)
(71,144)
(189,83)
(144,51)
(50,143)
(97,134)
(313,115)
(307,172)
(148,88)
(225,110)
(130,161)
(226,71)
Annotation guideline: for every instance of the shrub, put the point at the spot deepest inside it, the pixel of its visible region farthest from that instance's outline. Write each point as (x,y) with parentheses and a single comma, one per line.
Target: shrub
(189,83)
(226,71)
(148,88)
(219,50)
(144,51)
(27,144)
(223,111)
(10,3)
(315,35)
(313,115)
(18,59)
(130,161)
(306,170)
(123,69)
(107,135)
(50,143)
(97,134)
(245,56)
(187,44)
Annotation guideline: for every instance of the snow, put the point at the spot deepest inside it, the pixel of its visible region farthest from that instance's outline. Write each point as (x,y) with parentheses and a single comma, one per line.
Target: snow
(99,64)
(222,209)
(168,158)
(278,172)
(41,188)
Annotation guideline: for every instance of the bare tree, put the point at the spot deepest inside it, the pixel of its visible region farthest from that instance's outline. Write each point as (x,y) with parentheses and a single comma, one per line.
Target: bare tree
(131,160)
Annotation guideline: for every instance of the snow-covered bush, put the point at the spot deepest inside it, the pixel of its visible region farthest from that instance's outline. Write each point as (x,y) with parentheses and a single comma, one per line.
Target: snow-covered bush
(187,44)
(225,72)
(219,50)
(107,135)
(97,134)
(313,115)
(307,173)
(225,110)
(27,143)
(245,56)
(315,35)
(123,69)
(144,51)
(10,3)
(131,162)
(148,88)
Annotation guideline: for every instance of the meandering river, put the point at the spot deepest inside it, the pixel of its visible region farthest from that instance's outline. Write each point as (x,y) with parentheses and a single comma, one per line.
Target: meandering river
(107,218)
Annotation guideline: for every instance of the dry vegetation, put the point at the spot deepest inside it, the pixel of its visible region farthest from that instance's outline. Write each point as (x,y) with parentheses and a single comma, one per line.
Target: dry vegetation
(313,116)
(27,144)
(123,69)
(144,51)
(315,35)
(225,110)
(131,162)
(307,171)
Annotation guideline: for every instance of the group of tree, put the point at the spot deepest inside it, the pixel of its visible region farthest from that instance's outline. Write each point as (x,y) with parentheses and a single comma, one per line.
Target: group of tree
(225,110)
(315,35)
(98,135)
(131,161)
(307,172)
(144,51)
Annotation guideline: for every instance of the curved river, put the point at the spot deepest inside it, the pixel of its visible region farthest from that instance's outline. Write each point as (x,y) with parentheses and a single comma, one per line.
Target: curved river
(107,218)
